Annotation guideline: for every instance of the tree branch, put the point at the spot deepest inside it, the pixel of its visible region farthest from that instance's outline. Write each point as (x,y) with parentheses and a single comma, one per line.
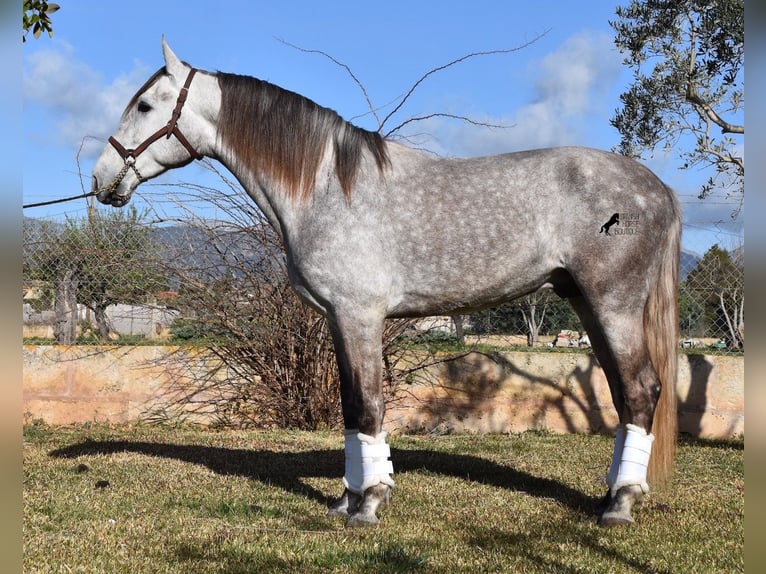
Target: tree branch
(373,109)
(705,110)
(443,115)
(345,67)
(452,63)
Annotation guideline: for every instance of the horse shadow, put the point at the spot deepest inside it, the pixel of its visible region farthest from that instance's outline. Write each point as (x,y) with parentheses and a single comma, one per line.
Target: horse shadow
(287,470)
(692,408)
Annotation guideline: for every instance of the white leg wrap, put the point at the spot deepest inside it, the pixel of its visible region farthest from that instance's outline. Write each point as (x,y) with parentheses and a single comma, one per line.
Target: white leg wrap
(634,459)
(619,442)
(367,461)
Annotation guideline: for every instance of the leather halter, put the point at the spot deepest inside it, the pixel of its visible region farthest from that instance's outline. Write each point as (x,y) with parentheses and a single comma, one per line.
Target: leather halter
(129,155)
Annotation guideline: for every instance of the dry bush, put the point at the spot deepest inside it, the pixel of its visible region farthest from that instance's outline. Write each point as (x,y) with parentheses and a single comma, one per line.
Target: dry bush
(268,358)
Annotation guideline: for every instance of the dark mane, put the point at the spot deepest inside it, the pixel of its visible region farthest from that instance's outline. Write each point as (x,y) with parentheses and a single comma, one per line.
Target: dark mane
(283,134)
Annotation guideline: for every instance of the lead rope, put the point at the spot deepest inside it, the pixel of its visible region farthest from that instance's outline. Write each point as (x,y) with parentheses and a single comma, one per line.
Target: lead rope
(130,163)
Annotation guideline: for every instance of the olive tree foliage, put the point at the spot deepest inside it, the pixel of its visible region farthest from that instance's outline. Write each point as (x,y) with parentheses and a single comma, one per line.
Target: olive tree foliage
(687,94)
(36,18)
(98,261)
(713,297)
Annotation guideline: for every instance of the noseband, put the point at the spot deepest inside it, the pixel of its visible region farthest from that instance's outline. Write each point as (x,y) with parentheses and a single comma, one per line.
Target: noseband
(129,155)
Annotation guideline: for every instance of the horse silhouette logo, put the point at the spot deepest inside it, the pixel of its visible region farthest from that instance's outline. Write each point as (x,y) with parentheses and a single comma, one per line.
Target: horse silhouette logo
(614,220)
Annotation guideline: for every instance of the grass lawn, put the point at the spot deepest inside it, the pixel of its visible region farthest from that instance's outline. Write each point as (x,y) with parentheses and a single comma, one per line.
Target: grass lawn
(152,499)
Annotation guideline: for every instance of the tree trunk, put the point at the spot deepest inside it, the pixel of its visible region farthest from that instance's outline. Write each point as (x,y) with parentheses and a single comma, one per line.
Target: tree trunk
(733,322)
(102,322)
(741,324)
(459,331)
(65,327)
(531,319)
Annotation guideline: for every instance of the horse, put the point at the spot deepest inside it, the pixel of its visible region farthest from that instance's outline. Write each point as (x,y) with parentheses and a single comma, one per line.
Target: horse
(374,229)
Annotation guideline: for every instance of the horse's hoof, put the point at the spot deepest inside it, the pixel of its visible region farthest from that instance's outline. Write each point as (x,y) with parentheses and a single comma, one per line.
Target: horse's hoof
(610,519)
(618,506)
(603,504)
(360,520)
(333,512)
(345,505)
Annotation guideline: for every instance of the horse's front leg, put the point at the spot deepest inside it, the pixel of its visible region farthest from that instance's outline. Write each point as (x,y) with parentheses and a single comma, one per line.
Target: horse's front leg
(367,478)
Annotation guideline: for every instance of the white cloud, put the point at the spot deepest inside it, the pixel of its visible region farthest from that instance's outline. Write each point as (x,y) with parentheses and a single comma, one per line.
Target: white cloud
(75,99)
(570,89)
(571,75)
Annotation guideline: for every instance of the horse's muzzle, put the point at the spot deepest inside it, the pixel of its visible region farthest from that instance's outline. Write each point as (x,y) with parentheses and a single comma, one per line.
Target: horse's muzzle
(108,196)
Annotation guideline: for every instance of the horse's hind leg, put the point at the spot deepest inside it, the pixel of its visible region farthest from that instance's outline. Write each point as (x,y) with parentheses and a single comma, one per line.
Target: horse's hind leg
(368,470)
(618,341)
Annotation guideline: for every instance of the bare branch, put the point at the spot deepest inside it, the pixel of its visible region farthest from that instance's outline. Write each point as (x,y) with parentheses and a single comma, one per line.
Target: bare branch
(443,115)
(342,65)
(452,63)
(373,109)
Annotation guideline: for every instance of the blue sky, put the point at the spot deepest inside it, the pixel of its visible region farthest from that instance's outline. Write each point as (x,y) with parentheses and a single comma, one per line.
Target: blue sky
(560,90)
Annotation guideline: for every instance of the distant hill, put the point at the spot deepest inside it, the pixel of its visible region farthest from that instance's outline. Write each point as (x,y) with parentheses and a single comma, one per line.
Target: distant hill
(210,254)
(688,262)
(738,256)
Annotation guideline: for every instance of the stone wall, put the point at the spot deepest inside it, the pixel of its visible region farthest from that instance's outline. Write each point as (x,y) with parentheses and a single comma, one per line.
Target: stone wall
(565,392)
(502,392)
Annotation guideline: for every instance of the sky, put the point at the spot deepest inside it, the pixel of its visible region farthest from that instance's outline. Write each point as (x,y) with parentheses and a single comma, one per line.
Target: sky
(559,84)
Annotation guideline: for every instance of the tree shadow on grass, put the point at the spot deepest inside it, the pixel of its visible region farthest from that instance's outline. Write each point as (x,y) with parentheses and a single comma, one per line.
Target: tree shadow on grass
(540,552)
(287,470)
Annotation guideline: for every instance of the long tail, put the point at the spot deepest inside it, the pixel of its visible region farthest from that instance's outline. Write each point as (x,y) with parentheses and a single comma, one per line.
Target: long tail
(661,331)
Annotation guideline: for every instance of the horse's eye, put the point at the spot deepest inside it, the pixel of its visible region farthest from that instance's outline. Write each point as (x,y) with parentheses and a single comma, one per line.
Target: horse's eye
(143,107)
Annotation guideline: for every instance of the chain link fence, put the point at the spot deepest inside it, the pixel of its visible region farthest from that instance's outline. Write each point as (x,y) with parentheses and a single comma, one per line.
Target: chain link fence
(128,276)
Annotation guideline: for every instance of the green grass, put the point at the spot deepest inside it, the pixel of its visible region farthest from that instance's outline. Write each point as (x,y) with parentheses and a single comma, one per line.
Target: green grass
(189,500)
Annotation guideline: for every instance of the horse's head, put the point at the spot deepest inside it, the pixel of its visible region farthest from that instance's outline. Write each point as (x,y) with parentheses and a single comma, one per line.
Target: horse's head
(158,131)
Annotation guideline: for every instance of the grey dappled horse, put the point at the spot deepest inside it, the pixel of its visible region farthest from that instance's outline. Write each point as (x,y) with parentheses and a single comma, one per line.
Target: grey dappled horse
(374,229)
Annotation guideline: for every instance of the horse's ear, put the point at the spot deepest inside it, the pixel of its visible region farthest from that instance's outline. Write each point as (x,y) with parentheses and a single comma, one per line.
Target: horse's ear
(173,64)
